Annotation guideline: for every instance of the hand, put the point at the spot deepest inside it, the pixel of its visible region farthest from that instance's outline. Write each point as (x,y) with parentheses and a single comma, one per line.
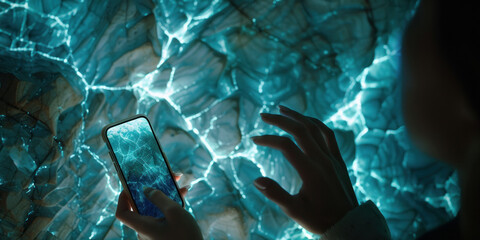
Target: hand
(177,224)
(326,194)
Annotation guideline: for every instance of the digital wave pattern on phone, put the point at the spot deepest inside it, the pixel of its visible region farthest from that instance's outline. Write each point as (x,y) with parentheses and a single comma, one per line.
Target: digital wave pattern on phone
(141,161)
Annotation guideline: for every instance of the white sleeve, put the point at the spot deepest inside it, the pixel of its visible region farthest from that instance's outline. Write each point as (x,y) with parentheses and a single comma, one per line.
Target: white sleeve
(363,222)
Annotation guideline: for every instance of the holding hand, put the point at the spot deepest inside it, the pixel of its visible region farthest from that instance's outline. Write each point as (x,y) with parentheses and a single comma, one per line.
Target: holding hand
(177,224)
(326,194)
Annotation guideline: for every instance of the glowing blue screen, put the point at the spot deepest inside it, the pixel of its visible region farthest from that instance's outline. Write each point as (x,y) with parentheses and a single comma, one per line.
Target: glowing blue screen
(142,163)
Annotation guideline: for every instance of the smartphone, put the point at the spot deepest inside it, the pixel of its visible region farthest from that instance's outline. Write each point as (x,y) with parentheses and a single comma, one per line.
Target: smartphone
(140,162)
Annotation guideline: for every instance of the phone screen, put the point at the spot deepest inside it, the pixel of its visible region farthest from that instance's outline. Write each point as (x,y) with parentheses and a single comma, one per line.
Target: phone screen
(141,163)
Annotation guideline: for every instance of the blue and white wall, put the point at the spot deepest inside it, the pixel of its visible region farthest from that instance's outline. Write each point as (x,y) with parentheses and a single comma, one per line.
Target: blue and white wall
(203,71)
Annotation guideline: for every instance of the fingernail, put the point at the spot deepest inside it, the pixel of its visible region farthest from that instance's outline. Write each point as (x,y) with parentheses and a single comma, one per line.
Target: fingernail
(148,191)
(259,184)
(178,174)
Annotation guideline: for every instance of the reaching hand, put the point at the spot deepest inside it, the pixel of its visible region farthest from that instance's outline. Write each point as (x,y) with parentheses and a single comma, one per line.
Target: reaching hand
(326,194)
(177,224)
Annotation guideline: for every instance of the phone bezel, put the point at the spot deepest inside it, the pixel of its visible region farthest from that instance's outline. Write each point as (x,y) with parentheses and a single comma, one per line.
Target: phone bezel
(117,166)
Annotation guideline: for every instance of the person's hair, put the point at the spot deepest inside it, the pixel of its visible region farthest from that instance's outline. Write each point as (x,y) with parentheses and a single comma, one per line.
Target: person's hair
(458,33)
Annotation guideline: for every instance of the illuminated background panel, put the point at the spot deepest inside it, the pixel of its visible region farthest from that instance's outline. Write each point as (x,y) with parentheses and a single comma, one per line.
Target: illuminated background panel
(202,71)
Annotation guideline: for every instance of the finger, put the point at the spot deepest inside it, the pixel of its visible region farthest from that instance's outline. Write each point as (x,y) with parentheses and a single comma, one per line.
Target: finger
(273,191)
(164,203)
(183,191)
(177,176)
(297,130)
(309,124)
(123,202)
(137,222)
(289,149)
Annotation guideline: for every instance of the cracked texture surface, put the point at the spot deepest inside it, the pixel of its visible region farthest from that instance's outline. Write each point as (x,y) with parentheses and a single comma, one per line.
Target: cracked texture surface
(202,71)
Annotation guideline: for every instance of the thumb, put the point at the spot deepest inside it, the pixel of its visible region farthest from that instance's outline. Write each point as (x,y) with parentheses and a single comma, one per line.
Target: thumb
(164,203)
(273,191)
